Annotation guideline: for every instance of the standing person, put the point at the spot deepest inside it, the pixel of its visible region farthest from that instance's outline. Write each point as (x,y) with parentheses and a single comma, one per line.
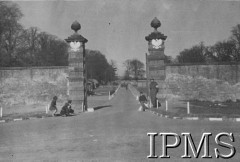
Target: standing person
(53,106)
(143,100)
(153,92)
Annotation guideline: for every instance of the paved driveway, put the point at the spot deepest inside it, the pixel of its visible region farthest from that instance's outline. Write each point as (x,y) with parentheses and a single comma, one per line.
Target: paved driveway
(116,133)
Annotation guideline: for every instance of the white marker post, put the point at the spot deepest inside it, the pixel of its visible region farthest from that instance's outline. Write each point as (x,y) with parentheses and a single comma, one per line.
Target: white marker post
(166,105)
(188,108)
(1,112)
(82,107)
(47,107)
(157,104)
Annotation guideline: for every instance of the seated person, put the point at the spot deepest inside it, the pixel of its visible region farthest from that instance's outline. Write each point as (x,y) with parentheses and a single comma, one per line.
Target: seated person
(143,100)
(70,110)
(53,106)
(67,109)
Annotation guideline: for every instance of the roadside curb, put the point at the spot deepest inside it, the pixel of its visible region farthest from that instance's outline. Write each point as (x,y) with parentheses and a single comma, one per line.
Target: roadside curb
(18,119)
(22,119)
(195,118)
(90,109)
(131,88)
(115,92)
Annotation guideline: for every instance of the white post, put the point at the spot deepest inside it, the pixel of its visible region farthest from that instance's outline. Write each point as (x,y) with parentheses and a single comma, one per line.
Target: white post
(1,112)
(47,109)
(188,108)
(157,104)
(166,105)
(109,96)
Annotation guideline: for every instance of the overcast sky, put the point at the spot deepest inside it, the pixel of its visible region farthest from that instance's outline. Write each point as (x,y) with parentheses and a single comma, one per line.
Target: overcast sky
(118,28)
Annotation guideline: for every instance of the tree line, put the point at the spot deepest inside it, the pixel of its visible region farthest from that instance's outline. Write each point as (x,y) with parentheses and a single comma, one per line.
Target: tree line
(134,69)
(21,47)
(27,47)
(222,51)
(99,68)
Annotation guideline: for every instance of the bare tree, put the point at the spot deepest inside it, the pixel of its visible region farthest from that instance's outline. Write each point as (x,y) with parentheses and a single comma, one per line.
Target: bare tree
(224,51)
(196,54)
(29,45)
(10,30)
(127,70)
(235,37)
(135,68)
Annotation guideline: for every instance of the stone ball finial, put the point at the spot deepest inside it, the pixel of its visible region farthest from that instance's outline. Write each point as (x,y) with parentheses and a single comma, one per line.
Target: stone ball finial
(75,26)
(155,23)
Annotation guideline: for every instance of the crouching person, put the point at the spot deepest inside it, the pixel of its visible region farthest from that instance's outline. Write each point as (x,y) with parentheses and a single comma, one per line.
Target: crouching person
(67,109)
(53,106)
(70,110)
(143,100)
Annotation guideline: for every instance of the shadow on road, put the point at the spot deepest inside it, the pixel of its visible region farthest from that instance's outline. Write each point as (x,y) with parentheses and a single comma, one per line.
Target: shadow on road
(100,107)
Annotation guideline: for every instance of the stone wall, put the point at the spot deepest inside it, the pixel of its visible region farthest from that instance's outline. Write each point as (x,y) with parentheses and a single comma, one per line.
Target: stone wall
(32,85)
(226,72)
(215,82)
(50,73)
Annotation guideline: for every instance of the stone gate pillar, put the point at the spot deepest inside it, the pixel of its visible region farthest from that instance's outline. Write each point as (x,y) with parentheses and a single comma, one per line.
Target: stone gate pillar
(155,66)
(77,81)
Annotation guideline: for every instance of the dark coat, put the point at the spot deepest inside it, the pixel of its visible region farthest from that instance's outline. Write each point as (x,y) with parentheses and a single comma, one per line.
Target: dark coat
(142,98)
(153,88)
(66,109)
(53,105)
